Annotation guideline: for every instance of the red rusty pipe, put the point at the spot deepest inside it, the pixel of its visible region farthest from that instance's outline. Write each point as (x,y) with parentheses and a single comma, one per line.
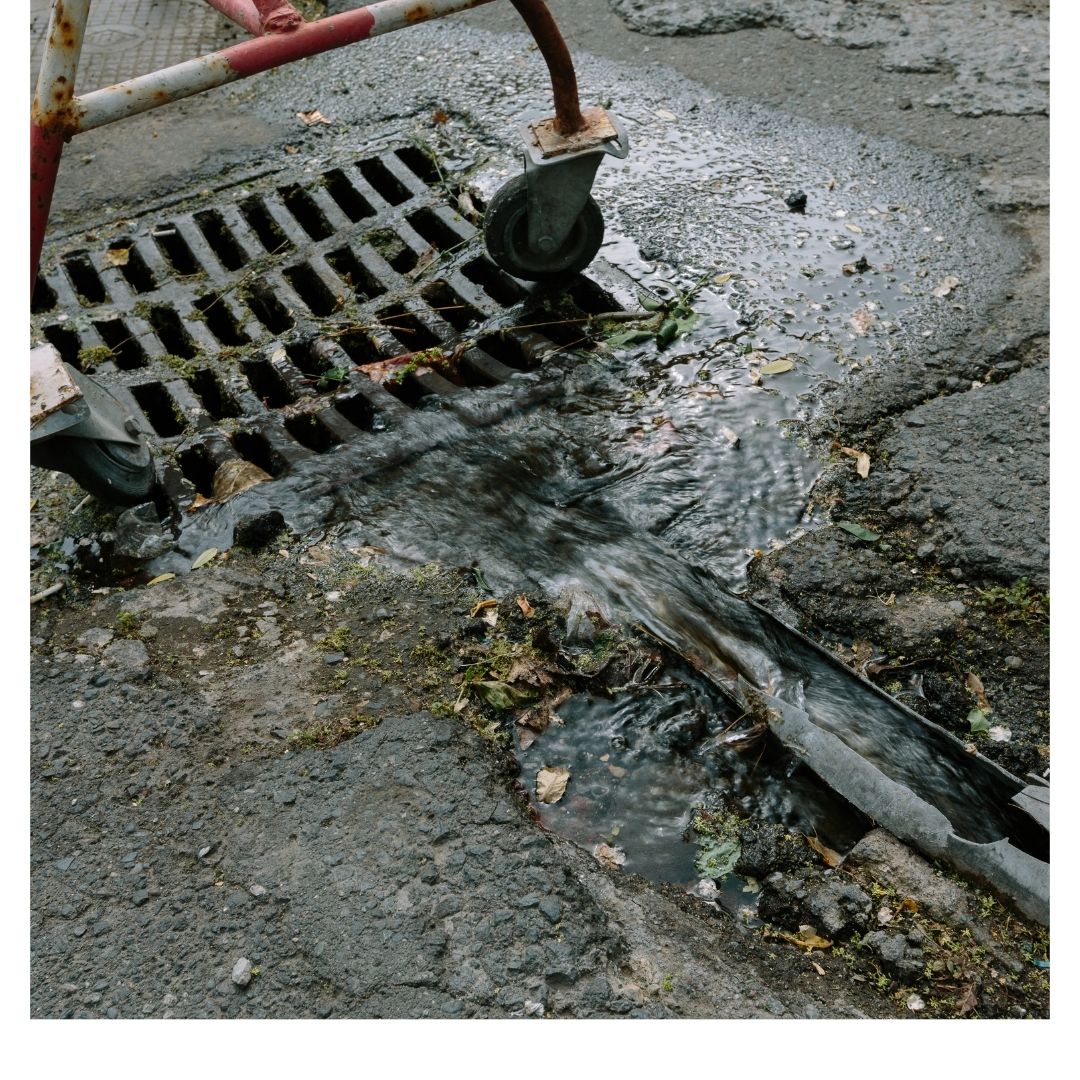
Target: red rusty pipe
(549,39)
(278,16)
(46,146)
(241,12)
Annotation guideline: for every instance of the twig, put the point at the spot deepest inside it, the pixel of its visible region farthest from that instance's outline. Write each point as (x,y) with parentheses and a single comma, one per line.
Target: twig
(46,592)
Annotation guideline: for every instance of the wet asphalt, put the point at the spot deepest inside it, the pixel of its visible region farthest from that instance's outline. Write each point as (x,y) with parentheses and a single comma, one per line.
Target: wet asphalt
(771,107)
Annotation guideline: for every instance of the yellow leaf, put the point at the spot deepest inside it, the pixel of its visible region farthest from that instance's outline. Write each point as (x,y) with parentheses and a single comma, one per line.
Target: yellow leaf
(828,856)
(482,605)
(117,256)
(721,279)
(807,938)
(159,579)
(551,783)
(204,558)
(777,367)
(33,503)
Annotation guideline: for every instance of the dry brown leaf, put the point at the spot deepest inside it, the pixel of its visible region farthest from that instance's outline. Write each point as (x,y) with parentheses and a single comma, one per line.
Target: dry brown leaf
(909,905)
(482,605)
(969,1002)
(393,369)
(526,737)
(313,117)
(526,608)
(611,857)
(440,116)
(974,684)
(118,256)
(862,320)
(289,149)
(535,719)
(551,783)
(817,967)
(828,856)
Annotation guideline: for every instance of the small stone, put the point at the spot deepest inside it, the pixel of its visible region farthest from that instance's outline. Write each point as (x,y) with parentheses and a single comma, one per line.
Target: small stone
(241,972)
(551,907)
(285,796)
(796,200)
(96,638)
(903,103)
(957,606)
(140,897)
(331,658)
(129,658)
(956,573)
(924,551)
(112,1012)
(169,1000)
(257,891)
(1013,663)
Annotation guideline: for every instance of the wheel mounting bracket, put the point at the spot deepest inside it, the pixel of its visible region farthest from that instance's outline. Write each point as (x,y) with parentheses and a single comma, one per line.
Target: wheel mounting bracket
(560,170)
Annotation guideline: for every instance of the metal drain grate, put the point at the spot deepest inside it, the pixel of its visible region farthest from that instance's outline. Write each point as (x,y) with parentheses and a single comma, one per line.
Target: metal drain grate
(234,327)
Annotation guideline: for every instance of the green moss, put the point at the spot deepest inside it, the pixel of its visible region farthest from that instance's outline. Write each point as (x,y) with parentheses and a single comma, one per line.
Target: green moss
(331,732)
(93,356)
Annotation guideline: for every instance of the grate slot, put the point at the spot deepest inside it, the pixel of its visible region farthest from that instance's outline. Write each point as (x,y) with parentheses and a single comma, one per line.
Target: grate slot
(479,369)
(306,211)
(407,390)
(508,350)
(264,225)
(159,408)
(361,348)
(311,288)
(392,249)
(308,430)
(437,230)
(499,286)
(354,273)
(126,350)
(135,271)
(88,285)
(170,331)
(449,306)
(221,240)
(175,249)
(66,342)
(359,412)
(306,359)
(592,299)
(419,164)
(44,298)
(407,328)
(197,467)
(216,400)
(353,204)
(383,181)
(267,308)
(268,383)
(255,447)
(221,320)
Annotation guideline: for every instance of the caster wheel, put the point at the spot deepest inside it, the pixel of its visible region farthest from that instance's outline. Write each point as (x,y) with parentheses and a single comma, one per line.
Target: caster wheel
(116,473)
(506,233)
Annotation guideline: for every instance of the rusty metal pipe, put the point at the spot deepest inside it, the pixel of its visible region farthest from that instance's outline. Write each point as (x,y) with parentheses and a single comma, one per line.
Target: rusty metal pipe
(549,39)
(278,16)
(51,113)
(242,12)
(250,57)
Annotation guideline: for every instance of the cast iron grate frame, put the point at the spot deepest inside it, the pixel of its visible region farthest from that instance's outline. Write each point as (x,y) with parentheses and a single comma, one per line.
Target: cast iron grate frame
(232,324)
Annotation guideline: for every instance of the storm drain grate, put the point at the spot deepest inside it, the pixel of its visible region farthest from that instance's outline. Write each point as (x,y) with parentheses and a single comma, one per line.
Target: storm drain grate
(235,328)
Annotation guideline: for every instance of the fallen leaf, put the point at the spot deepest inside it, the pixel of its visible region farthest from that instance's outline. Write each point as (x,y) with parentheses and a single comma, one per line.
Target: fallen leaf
(817,967)
(611,857)
(859,531)
(440,116)
(490,616)
(535,720)
(33,503)
(909,905)
(233,476)
(526,608)
(551,783)
(204,558)
(289,149)
(829,857)
(915,1003)
(946,286)
(526,738)
(777,367)
(721,279)
(313,117)
(969,1002)
(482,605)
(999,734)
(974,684)
(666,114)
(807,938)
(617,771)
(159,579)
(394,369)
(977,722)
(850,225)
(862,320)
(118,256)
(717,858)
(500,695)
